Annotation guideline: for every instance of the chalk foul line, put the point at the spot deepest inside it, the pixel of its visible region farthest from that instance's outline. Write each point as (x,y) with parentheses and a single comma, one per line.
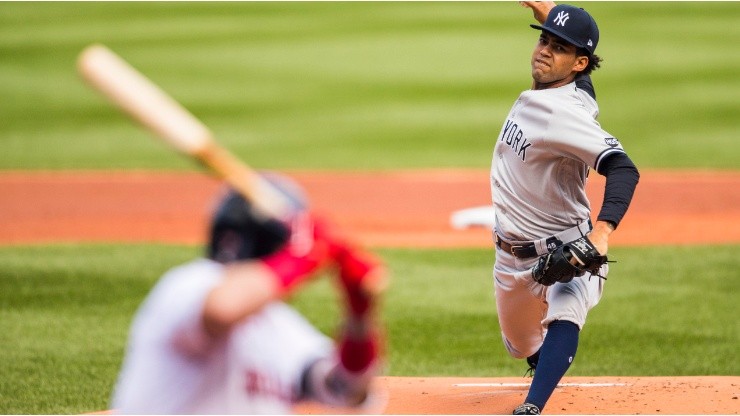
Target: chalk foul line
(527,384)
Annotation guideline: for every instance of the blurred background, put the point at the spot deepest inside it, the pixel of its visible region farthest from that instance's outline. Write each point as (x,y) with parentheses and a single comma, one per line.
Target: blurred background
(359,85)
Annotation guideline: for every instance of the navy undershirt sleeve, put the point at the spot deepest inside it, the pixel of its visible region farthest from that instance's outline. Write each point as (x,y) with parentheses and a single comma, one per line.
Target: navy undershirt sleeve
(621,180)
(583,82)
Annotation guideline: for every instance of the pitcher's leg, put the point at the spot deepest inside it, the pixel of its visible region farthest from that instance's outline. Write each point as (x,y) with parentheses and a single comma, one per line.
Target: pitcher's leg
(557,353)
(520,316)
(569,304)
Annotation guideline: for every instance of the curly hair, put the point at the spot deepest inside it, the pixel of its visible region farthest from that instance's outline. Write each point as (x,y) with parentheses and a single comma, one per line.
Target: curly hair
(594,61)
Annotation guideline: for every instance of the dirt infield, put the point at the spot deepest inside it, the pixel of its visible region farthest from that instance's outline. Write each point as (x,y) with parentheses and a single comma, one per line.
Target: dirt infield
(394,209)
(397,209)
(574,395)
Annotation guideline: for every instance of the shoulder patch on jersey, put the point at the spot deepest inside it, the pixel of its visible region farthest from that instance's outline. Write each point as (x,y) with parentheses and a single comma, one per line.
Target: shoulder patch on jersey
(611,141)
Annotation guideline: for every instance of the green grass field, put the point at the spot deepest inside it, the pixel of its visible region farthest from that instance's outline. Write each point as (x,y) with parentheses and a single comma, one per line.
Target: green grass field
(359,85)
(65,311)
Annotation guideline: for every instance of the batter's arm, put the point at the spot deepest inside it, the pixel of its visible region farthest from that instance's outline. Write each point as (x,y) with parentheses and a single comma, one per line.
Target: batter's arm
(345,378)
(251,284)
(246,287)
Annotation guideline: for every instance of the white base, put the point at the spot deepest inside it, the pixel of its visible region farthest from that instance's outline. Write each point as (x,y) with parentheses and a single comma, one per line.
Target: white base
(483,216)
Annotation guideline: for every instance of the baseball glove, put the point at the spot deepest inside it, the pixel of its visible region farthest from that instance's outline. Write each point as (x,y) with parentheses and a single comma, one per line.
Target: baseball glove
(568,261)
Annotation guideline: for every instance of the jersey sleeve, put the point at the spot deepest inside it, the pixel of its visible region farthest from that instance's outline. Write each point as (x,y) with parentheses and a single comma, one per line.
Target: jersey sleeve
(173,310)
(575,134)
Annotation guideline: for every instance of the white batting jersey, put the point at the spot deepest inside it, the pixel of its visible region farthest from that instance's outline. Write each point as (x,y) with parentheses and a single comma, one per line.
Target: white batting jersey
(173,367)
(541,161)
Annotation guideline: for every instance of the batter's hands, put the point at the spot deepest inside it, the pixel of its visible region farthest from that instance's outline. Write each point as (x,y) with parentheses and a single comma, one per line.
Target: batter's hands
(308,249)
(540,9)
(363,278)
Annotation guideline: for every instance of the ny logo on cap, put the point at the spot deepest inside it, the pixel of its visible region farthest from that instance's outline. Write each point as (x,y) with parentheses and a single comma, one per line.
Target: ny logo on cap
(561,18)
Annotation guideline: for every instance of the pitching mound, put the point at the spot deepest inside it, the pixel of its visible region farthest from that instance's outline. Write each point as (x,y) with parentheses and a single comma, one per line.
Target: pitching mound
(574,395)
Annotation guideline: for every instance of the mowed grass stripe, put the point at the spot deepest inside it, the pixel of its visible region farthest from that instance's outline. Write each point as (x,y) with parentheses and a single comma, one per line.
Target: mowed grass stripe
(65,311)
(370,85)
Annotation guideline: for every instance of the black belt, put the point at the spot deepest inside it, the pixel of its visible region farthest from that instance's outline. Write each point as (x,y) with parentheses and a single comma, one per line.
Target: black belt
(522,251)
(529,249)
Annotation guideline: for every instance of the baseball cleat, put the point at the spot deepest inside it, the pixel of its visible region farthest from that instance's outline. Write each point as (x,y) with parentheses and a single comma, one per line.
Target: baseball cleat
(526,409)
(532,363)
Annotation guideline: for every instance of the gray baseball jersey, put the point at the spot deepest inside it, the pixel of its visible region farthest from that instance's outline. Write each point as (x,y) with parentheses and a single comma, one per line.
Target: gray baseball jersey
(541,160)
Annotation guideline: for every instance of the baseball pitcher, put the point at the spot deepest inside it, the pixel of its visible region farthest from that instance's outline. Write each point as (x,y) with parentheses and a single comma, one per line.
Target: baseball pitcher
(550,266)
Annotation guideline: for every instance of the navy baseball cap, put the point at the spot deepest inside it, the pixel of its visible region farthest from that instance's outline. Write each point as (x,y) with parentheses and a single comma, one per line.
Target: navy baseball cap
(574,25)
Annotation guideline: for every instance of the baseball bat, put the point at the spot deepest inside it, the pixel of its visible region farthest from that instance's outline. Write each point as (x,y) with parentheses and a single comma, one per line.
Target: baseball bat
(149,105)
